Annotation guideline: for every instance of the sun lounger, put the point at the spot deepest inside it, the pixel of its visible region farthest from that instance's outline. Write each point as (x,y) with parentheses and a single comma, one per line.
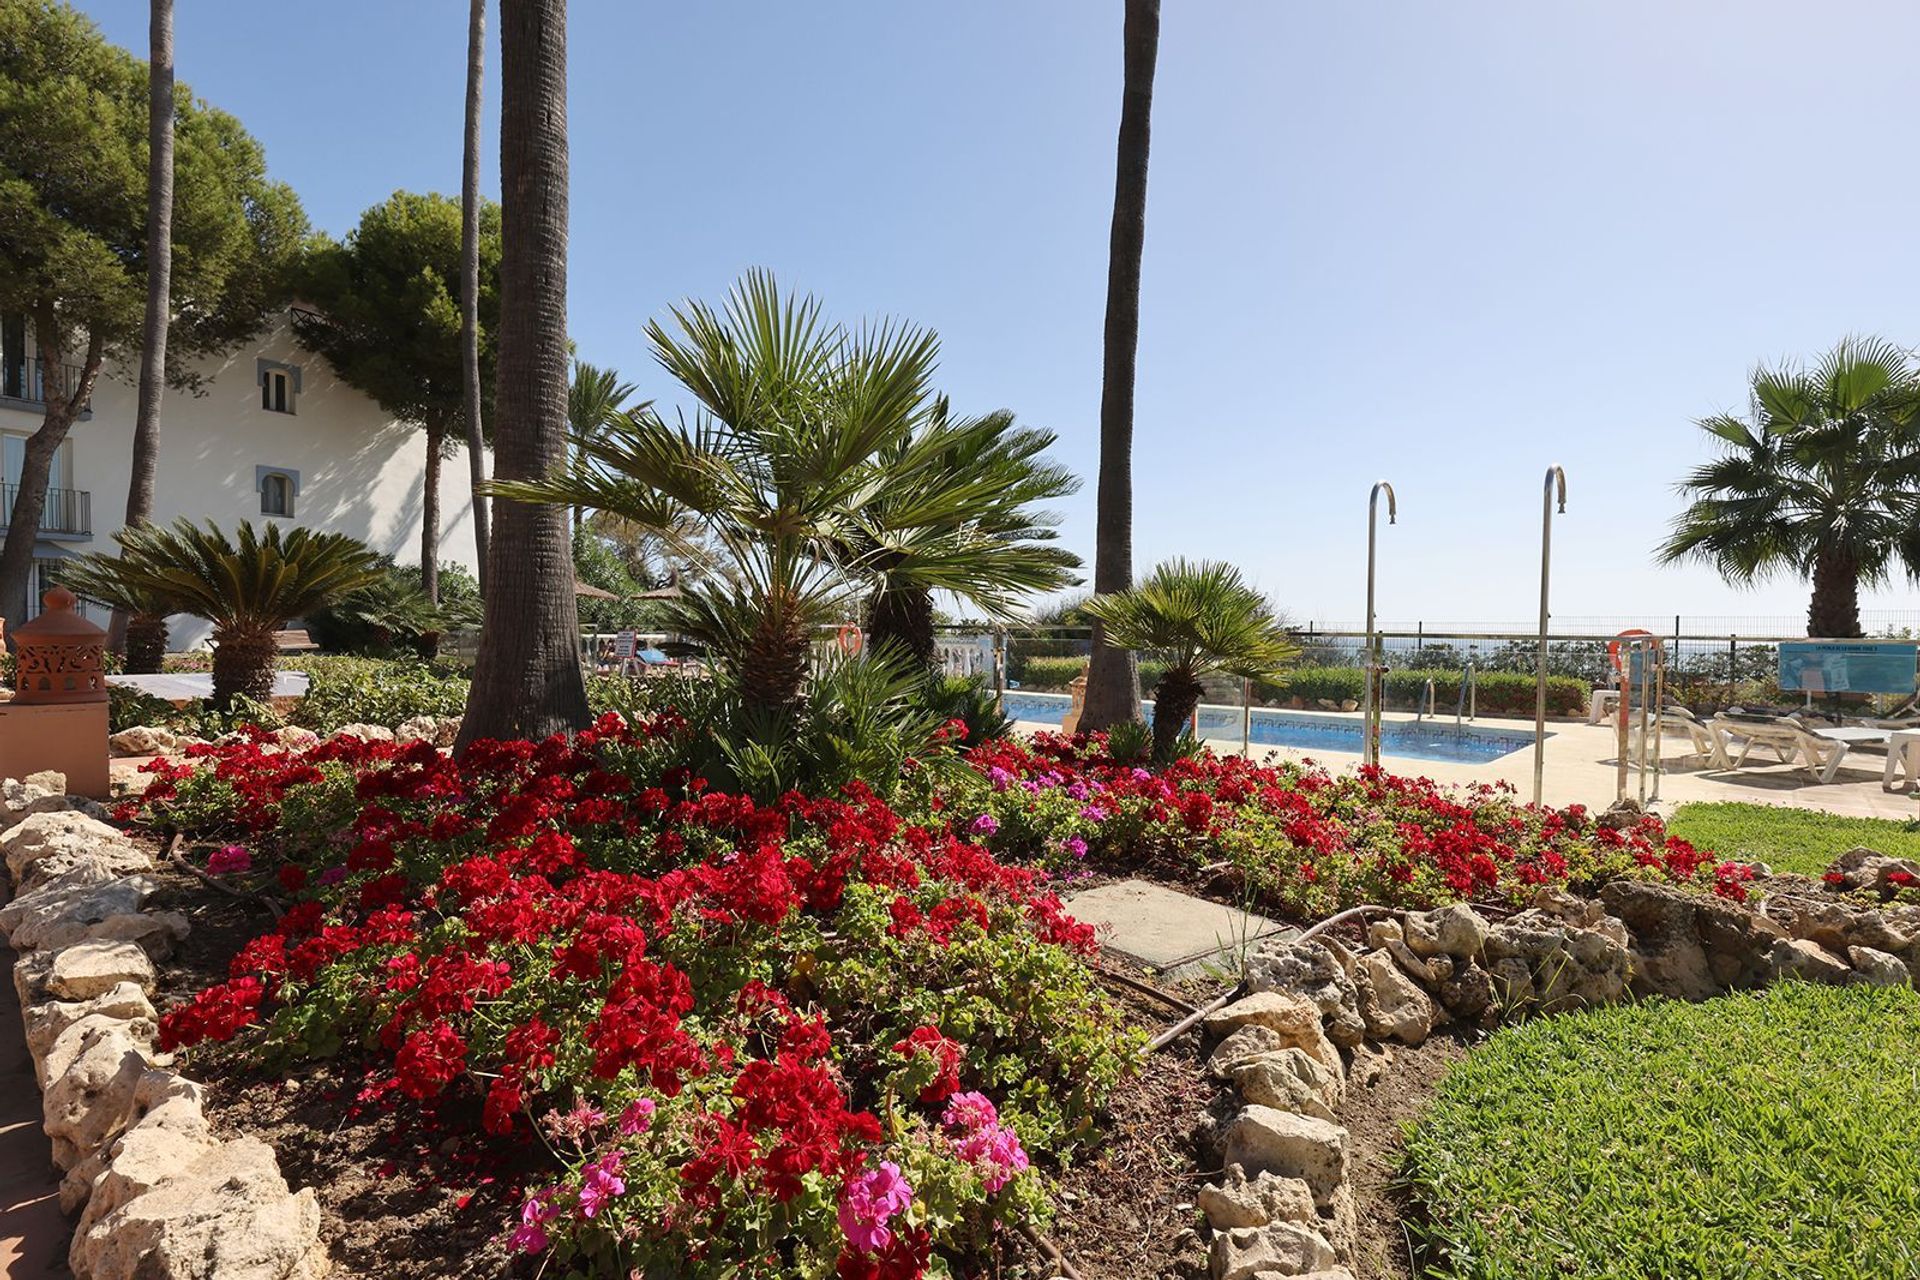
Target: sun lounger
(1819,754)
(1706,743)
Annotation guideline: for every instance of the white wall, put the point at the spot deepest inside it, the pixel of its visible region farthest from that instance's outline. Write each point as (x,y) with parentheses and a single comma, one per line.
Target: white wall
(360,472)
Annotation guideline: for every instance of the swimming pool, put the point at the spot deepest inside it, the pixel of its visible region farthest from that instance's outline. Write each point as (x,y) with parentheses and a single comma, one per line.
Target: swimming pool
(1305,731)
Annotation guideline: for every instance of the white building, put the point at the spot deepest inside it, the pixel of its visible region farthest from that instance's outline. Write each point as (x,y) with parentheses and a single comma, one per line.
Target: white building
(273,436)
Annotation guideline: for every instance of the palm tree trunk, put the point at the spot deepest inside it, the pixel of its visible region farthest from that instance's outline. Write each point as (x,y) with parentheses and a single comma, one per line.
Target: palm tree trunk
(430,512)
(470,284)
(243,666)
(526,680)
(153,348)
(1113,677)
(901,619)
(146,643)
(1174,699)
(1834,612)
(66,396)
(773,670)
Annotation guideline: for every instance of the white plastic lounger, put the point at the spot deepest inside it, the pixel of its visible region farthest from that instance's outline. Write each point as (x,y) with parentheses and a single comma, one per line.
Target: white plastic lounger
(1706,743)
(1819,755)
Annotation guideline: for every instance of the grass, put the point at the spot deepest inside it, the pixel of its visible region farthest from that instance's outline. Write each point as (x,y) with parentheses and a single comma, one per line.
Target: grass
(1764,1136)
(1797,840)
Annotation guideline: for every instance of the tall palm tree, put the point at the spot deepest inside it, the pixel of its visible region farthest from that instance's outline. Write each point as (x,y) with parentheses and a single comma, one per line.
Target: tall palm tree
(153,347)
(595,398)
(956,513)
(1113,676)
(248,585)
(1198,618)
(526,681)
(470,283)
(775,464)
(1820,480)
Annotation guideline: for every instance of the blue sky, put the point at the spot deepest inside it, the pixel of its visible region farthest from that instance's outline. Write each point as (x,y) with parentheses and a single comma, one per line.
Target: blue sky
(1443,244)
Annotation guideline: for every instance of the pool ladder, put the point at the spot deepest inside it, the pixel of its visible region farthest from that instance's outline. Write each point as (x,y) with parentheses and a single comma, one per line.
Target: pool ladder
(1468,704)
(1426,703)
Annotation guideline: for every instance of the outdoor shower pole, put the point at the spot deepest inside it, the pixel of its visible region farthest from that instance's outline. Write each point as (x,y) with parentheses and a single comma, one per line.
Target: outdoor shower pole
(1370,711)
(1556,476)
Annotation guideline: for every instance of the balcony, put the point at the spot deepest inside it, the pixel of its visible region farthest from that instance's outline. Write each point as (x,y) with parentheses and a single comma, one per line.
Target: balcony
(68,513)
(23,382)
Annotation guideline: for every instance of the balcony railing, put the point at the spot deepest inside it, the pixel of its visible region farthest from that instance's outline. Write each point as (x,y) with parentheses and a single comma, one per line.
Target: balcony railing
(68,511)
(26,379)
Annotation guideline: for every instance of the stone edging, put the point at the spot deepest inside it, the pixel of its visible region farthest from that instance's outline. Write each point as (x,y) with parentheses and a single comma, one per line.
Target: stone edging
(1316,1015)
(157,1193)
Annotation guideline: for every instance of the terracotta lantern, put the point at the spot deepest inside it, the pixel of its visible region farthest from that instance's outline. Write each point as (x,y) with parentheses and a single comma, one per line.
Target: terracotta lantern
(60,655)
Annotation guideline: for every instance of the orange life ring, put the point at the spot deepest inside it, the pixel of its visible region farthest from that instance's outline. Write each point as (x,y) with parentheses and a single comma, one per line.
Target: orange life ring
(851,639)
(1614,646)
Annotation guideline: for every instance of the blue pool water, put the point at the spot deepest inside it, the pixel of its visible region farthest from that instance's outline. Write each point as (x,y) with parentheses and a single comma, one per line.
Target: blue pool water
(1305,731)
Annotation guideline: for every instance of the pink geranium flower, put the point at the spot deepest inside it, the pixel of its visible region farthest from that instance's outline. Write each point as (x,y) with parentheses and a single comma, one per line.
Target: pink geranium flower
(869,1202)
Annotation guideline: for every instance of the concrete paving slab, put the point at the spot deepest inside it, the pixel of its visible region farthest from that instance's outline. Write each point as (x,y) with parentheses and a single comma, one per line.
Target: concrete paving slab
(1174,932)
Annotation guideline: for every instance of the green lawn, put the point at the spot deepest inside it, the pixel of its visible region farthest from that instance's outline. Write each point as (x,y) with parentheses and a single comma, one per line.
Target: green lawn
(1797,840)
(1764,1136)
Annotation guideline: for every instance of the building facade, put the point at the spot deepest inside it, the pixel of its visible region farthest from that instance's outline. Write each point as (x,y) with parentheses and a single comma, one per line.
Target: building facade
(272,435)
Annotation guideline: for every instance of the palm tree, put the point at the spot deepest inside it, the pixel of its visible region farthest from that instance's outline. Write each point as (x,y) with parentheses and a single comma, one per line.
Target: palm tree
(470,283)
(526,681)
(775,464)
(144,609)
(1821,480)
(247,585)
(153,349)
(956,513)
(594,399)
(1113,678)
(1198,618)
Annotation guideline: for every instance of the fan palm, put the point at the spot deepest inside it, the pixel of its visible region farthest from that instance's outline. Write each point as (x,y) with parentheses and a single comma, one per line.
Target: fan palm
(774,464)
(957,514)
(247,585)
(595,398)
(1197,618)
(1821,480)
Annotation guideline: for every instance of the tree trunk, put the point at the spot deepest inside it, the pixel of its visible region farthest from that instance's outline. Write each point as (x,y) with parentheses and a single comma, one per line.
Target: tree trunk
(430,512)
(1834,613)
(153,347)
(773,671)
(901,619)
(1174,699)
(470,283)
(526,680)
(146,643)
(64,402)
(243,666)
(1113,676)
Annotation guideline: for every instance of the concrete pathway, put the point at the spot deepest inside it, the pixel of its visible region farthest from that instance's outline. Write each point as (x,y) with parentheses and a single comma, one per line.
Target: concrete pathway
(33,1231)
(1173,932)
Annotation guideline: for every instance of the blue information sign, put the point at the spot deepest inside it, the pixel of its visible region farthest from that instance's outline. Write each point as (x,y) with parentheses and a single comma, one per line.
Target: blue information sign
(1842,666)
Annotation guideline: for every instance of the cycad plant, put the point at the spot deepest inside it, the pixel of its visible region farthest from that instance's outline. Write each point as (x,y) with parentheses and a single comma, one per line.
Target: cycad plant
(146,611)
(248,585)
(1821,480)
(1198,618)
(807,465)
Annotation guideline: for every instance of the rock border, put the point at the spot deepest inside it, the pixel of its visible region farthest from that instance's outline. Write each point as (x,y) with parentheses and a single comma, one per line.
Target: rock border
(159,1197)
(1314,1015)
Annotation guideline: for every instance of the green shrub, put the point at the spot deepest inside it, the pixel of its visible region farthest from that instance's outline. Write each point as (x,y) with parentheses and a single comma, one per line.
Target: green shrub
(1053,675)
(1758,1136)
(1500,692)
(969,699)
(386,691)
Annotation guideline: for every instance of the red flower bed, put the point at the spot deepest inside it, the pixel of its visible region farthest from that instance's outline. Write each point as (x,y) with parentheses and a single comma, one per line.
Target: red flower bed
(743,1031)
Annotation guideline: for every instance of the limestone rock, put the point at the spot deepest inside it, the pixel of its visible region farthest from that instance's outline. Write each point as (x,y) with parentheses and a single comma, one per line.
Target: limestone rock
(1539,958)
(1390,1002)
(30,971)
(365,732)
(1864,868)
(1339,1223)
(1369,1066)
(35,834)
(87,894)
(88,969)
(166,1130)
(146,740)
(1289,1080)
(226,1214)
(45,1022)
(1240,1201)
(88,1101)
(1263,1139)
(295,738)
(1805,958)
(1315,971)
(1428,971)
(1243,1045)
(1382,932)
(19,799)
(1877,968)
(1295,1018)
(48,779)
(415,729)
(1280,1248)
(1460,930)
(1468,994)
(1422,938)
(154,932)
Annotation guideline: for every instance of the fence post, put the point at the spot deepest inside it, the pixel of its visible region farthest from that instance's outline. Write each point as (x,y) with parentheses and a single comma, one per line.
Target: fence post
(1733,670)
(1246,717)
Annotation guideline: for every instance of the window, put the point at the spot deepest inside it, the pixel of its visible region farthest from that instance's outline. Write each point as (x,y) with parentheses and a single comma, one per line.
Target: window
(279,385)
(278,489)
(275,389)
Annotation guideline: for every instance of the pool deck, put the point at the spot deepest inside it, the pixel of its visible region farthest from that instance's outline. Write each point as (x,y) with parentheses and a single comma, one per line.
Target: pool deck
(1580,769)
